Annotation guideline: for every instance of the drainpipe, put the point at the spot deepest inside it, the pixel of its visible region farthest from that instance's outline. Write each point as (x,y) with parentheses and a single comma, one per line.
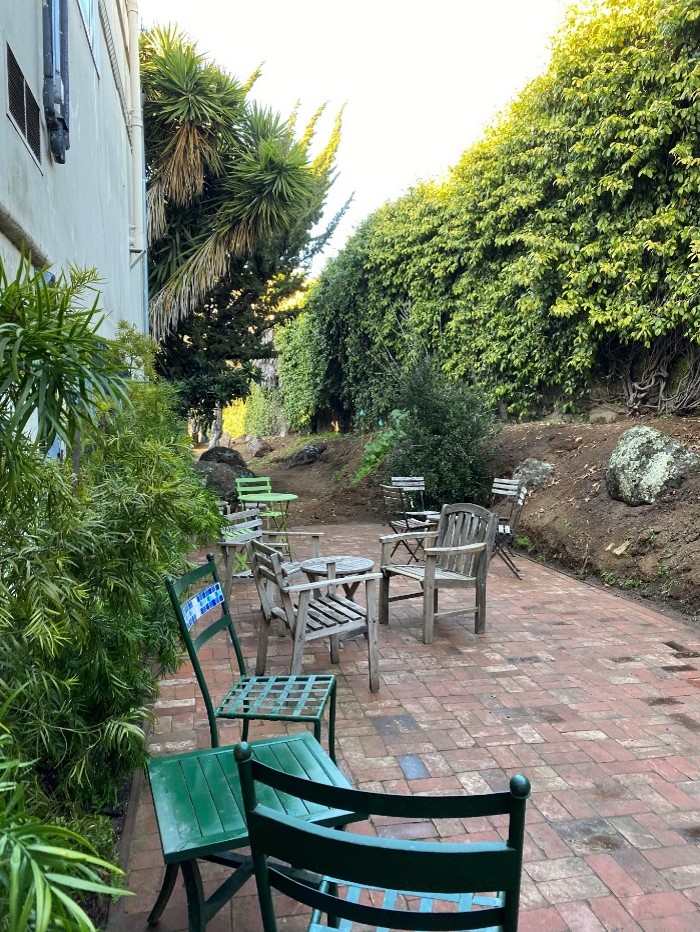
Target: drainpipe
(138,164)
(136,122)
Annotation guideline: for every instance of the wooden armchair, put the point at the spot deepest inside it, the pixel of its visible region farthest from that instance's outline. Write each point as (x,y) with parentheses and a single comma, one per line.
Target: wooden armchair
(319,611)
(457,556)
(385,882)
(244,526)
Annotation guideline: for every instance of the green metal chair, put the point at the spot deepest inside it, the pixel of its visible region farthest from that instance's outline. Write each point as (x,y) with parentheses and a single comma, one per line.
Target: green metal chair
(246,489)
(383,883)
(199,810)
(202,612)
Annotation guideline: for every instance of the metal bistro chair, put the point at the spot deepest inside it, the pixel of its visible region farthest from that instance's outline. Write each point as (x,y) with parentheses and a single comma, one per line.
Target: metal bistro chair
(508,498)
(270,698)
(247,487)
(402,522)
(457,556)
(385,882)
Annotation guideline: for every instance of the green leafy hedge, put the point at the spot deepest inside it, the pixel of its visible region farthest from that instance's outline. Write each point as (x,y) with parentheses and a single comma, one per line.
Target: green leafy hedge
(562,249)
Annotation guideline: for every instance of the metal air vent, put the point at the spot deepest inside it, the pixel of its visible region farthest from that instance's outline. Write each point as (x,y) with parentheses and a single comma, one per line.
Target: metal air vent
(22,105)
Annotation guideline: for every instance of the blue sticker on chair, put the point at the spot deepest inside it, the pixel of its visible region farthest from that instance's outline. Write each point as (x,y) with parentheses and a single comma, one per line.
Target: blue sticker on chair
(200,604)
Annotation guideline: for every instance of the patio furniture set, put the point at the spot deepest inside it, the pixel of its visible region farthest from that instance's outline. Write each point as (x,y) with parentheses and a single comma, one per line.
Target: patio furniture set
(285,797)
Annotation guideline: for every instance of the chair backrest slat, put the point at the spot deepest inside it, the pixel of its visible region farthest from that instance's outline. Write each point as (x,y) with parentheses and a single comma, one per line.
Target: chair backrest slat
(462,524)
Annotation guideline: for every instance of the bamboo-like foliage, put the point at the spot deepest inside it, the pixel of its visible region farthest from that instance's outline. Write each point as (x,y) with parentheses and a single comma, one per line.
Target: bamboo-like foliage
(223,175)
(55,366)
(45,869)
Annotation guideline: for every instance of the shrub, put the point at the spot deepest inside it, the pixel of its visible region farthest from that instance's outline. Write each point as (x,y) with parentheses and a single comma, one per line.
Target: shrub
(442,435)
(263,412)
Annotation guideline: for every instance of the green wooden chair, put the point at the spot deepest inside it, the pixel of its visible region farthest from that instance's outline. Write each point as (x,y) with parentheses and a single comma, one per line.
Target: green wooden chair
(202,612)
(383,883)
(199,810)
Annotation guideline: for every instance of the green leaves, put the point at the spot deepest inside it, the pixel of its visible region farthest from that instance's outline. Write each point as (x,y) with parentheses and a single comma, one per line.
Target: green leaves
(44,868)
(55,368)
(570,230)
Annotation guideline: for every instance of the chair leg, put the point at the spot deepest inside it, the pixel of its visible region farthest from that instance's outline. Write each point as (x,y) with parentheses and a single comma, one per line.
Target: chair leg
(430,597)
(384,600)
(261,659)
(196,904)
(335,648)
(505,555)
(166,889)
(480,617)
(299,634)
(331,722)
(372,639)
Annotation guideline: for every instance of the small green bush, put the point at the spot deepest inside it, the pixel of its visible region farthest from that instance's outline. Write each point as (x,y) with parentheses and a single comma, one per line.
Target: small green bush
(442,435)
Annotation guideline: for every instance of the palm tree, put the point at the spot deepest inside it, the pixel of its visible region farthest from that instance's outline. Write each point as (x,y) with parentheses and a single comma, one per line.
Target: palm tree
(223,175)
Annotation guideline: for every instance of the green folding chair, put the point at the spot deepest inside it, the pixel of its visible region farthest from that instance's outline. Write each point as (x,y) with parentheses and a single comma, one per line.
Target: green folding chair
(382,883)
(202,611)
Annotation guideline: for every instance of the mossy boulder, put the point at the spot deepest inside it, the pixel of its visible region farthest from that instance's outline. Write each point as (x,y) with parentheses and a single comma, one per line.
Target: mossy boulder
(645,464)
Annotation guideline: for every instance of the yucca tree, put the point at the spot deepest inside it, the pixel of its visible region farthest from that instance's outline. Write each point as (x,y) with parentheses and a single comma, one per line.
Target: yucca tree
(224,176)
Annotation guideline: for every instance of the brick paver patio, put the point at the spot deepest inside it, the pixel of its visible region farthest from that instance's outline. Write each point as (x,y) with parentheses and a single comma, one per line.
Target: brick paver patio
(595,698)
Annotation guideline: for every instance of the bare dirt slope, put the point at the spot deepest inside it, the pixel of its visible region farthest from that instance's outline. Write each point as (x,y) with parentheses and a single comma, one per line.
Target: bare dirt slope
(652,550)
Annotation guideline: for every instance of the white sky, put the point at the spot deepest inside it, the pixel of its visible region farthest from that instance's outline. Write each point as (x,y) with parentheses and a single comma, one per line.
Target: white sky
(420,82)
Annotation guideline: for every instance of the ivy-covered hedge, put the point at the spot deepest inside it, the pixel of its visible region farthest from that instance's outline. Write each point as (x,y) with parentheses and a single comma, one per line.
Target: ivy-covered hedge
(562,249)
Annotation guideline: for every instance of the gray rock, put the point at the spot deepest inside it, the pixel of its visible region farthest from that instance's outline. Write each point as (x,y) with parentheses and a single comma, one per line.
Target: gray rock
(533,473)
(256,446)
(221,478)
(606,414)
(645,464)
(222,455)
(307,454)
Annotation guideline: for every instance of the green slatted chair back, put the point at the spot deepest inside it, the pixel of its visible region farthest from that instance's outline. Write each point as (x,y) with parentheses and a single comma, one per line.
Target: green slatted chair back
(384,883)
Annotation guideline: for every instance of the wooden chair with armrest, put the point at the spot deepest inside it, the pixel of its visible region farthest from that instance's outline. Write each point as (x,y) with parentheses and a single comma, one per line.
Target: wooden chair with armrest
(457,555)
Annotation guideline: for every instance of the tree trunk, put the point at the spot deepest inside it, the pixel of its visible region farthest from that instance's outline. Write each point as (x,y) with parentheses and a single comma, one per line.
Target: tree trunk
(217,428)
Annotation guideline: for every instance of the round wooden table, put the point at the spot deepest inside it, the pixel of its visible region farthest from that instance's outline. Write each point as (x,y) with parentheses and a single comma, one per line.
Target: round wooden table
(335,567)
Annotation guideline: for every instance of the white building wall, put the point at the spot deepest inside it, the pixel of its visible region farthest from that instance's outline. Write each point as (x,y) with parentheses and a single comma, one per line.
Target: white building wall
(81,212)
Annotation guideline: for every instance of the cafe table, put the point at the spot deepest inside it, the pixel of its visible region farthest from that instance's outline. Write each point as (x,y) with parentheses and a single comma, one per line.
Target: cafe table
(277,502)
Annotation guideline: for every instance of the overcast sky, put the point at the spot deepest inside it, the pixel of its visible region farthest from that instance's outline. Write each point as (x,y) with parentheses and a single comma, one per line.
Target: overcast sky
(420,82)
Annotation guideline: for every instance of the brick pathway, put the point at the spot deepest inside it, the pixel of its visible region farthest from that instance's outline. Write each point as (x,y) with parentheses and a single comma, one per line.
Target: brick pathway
(594,698)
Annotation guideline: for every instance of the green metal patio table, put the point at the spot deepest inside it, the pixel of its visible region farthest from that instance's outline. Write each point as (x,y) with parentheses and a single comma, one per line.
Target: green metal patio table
(281,499)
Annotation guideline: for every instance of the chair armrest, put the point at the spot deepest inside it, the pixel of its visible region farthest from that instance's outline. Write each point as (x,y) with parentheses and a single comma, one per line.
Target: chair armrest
(337,581)
(463,548)
(294,533)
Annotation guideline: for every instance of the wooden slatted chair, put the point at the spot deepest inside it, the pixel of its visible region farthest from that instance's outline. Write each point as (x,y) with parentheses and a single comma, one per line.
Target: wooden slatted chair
(457,555)
(508,498)
(202,611)
(384,882)
(318,612)
(413,488)
(243,526)
(200,815)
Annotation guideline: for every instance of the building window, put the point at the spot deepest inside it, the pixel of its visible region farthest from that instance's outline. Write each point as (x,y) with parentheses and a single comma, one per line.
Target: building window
(90,14)
(22,106)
